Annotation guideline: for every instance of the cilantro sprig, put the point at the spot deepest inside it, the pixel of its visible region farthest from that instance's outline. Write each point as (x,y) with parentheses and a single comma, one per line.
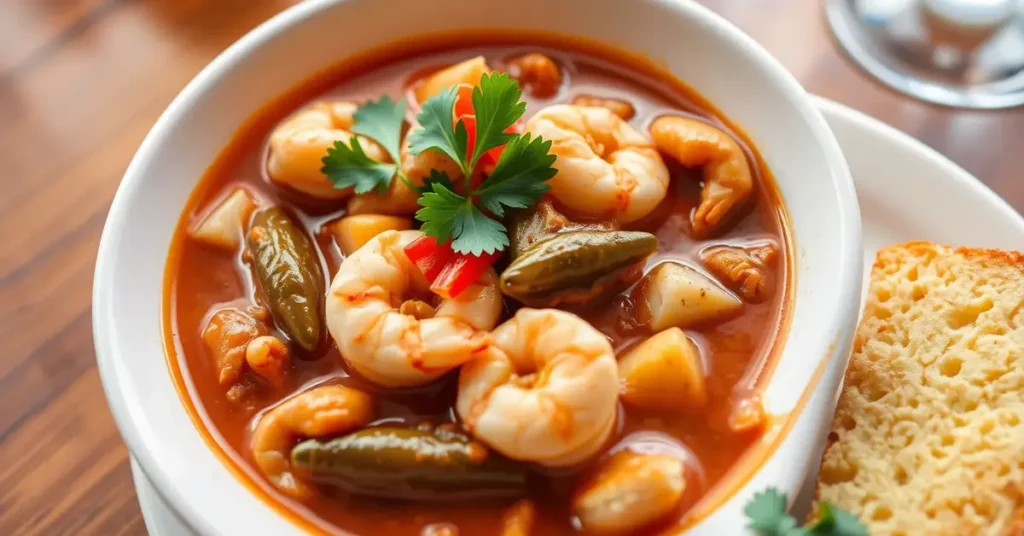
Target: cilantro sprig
(349,165)
(767,516)
(464,216)
(518,180)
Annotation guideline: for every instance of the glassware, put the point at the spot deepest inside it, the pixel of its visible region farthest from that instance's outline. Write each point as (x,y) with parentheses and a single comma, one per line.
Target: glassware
(962,53)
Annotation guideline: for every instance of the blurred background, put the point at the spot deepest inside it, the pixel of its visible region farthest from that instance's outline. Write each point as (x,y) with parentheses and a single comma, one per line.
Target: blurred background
(82,81)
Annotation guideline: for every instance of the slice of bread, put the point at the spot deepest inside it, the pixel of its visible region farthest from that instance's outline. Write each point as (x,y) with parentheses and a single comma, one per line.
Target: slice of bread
(928,437)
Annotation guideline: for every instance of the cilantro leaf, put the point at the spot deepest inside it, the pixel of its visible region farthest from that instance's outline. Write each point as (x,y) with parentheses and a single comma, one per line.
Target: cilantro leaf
(440,209)
(437,132)
(767,514)
(382,121)
(439,177)
(767,517)
(833,521)
(477,234)
(348,166)
(520,176)
(447,215)
(497,107)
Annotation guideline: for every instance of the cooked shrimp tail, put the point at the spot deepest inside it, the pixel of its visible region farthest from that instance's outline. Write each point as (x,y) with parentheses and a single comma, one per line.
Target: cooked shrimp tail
(319,412)
(728,181)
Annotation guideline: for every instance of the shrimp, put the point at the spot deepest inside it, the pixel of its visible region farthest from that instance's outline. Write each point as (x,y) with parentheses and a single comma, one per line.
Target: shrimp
(546,391)
(299,143)
(393,342)
(323,411)
(537,72)
(727,177)
(605,167)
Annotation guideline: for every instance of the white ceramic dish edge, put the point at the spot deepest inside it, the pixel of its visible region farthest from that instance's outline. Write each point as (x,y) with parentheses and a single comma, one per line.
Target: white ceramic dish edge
(142,436)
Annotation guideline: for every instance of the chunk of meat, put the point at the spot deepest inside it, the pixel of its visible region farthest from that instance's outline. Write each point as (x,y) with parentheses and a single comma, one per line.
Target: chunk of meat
(538,73)
(227,335)
(748,271)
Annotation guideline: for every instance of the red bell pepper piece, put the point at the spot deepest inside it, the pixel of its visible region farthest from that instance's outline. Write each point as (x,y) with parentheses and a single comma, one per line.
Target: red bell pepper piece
(448,273)
(461,272)
(429,256)
(464,101)
(464,110)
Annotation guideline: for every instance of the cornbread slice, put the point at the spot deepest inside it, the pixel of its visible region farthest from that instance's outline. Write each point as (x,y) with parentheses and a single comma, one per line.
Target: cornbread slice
(928,437)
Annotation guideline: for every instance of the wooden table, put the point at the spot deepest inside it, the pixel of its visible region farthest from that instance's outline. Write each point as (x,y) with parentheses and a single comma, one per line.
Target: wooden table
(82,81)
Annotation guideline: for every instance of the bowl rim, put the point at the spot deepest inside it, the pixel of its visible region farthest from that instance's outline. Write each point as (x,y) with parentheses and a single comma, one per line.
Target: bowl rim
(106,338)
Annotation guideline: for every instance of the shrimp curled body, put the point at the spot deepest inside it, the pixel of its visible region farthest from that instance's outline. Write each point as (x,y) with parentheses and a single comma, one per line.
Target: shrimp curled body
(545,392)
(298,145)
(605,167)
(323,411)
(384,341)
(727,177)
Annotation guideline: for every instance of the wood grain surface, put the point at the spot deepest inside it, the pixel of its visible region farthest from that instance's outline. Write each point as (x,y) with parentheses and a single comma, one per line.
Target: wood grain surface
(82,81)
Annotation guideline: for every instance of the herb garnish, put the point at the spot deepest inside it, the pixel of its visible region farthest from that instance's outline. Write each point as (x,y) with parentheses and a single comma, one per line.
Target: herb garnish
(347,166)
(767,517)
(450,212)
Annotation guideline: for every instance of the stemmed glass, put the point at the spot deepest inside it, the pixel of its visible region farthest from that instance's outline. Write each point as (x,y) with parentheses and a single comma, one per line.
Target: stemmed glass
(962,53)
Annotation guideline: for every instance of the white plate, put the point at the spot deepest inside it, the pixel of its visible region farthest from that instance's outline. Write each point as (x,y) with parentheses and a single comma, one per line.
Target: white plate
(901,185)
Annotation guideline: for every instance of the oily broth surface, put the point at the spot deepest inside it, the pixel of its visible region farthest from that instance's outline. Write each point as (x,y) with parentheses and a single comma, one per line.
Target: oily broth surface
(733,352)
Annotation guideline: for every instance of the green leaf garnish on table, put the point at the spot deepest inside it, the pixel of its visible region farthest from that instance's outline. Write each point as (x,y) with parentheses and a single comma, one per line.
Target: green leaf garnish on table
(767,516)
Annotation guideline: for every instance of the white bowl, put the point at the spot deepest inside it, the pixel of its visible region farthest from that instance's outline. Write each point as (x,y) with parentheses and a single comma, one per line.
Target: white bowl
(719,61)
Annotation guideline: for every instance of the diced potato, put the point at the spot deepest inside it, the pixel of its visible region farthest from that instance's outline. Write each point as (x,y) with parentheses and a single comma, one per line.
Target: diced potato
(224,226)
(674,294)
(663,373)
(630,491)
(351,232)
(466,72)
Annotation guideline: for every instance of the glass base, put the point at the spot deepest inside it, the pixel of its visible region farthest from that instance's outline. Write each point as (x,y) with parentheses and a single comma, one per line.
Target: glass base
(960,53)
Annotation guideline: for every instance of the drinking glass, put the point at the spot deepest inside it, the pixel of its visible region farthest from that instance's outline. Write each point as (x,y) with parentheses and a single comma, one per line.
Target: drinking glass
(962,53)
